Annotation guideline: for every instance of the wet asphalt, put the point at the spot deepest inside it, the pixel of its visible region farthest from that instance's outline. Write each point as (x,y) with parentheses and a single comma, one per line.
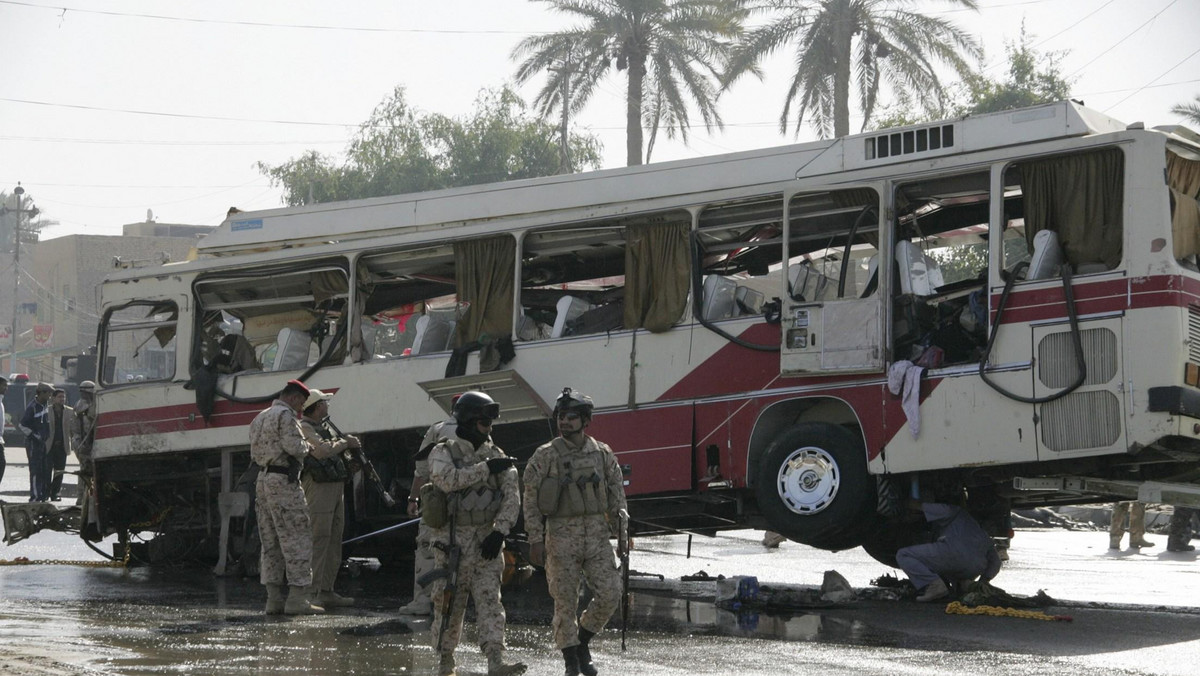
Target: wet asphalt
(58,617)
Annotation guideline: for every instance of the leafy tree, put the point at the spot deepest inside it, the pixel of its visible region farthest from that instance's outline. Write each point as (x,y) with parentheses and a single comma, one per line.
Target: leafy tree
(1033,78)
(1189,111)
(859,44)
(400,149)
(672,51)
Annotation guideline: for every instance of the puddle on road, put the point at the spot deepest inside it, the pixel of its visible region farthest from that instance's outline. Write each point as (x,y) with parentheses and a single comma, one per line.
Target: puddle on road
(142,621)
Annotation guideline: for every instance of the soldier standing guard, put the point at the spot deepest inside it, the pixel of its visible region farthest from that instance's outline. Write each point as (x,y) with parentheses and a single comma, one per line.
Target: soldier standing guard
(324,481)
(278,447)
(574,485)
(476,487)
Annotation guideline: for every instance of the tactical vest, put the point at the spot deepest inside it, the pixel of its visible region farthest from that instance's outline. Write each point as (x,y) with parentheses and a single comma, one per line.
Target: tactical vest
(325,470)
(577,488)
(477,505)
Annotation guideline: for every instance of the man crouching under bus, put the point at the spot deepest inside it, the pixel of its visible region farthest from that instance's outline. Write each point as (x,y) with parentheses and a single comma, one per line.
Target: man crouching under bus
(574,494)
(278,447)
(474,506)
(961,551)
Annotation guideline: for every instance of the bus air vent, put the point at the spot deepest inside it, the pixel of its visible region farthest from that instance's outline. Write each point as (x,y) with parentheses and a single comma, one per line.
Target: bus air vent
(910,142)
(1193,334)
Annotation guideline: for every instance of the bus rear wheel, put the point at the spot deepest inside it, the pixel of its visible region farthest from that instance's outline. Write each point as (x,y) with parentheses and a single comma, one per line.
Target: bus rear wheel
(814,487)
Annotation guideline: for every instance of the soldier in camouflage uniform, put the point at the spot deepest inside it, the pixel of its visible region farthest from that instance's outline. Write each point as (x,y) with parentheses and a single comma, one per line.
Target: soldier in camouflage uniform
(278,447)
(574,495)
(479,486)
(324,481)
(1179,532)
(423,560)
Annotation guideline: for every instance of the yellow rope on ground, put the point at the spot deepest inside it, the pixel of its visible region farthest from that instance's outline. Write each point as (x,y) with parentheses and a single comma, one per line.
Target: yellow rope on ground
(956,608)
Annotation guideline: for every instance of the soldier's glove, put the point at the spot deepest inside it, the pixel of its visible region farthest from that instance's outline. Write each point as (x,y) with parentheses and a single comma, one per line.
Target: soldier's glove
(498,465)
(493,543)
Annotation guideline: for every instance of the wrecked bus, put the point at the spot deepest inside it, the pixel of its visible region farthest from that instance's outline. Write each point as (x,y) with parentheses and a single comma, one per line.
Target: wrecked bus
(741,322)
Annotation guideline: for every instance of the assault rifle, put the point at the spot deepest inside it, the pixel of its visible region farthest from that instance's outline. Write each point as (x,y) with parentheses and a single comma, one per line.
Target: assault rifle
(449,573)
(361,457)
(623,551)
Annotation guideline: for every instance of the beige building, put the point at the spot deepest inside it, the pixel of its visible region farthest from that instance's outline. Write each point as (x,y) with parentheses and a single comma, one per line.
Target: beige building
(57,311)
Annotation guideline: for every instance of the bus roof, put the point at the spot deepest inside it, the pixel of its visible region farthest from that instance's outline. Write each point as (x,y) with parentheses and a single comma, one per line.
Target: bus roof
(248,232)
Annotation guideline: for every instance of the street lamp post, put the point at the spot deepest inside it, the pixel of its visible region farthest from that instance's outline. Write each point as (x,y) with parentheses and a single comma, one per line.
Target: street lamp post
(19,212)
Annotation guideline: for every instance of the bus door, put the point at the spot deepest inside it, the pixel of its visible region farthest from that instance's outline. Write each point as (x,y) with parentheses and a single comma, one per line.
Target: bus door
(832,311)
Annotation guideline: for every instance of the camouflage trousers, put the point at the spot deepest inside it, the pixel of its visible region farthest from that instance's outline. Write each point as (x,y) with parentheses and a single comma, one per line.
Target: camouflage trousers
(423,562)
(326,510)
(578,549)
(1137,520)
(285,531)
(1179,532)
(477,577)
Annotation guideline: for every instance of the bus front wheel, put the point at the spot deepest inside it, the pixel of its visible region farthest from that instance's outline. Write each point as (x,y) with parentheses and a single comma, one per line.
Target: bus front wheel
(814,487)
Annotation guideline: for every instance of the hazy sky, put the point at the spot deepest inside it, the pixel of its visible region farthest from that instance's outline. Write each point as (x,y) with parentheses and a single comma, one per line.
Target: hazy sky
(229,83)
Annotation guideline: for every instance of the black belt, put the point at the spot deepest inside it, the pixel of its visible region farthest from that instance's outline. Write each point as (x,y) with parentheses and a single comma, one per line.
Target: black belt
(276,469)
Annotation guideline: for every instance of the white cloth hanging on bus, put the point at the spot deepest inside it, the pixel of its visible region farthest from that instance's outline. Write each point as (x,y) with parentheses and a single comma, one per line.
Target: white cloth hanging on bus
(904,379)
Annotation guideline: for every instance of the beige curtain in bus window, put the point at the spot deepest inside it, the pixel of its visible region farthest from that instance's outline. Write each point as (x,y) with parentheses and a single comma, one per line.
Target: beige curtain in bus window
(1183,178)
(366,285)
(1080,197)
(656,275)
(484,268)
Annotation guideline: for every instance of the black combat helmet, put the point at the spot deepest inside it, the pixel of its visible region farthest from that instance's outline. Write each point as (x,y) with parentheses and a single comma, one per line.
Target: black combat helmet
(573,401)
(472,406)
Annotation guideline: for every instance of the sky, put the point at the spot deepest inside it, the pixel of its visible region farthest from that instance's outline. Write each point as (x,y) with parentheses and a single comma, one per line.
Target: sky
(110,108)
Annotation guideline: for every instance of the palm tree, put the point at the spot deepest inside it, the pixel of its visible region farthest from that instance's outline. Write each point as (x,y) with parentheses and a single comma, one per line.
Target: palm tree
(1188,111)
(861,42)
(674,49)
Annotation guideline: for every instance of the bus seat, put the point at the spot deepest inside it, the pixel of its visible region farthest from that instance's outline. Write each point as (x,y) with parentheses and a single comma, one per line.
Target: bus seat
(749,301)
(807,283)
(919,274)
(1047,256)
(872,276)
(433,335)
(568,307)
(719,298)
(291,349)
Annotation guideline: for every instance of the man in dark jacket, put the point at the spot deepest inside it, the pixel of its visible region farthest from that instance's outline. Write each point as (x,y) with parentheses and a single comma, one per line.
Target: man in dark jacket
(35,423)
(961,550)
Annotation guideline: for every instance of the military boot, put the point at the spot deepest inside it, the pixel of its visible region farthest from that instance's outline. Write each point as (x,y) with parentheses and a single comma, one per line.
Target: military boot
(571,659)
(497,666)
(1114,542)
(585,654)
(446,665)
(297,602)
(331,599)
(274,599)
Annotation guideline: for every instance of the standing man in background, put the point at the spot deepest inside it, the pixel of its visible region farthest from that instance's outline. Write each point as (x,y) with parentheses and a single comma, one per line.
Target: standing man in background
(35,424)
(574,497)
(62,439)
(3,421)
(423,559)
(1137,525)
(278,447)
(325,475)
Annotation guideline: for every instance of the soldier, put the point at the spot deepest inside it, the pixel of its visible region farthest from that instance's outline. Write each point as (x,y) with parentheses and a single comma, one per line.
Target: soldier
(278,448)
(479,486)
(324,481)
(574,484)
(423,560)
(85,417)
(1179,532)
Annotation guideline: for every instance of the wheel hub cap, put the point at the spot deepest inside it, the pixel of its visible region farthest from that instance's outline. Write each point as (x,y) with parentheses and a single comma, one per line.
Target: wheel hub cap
(808,480)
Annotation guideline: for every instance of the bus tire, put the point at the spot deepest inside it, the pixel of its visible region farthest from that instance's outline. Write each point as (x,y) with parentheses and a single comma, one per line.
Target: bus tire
(814,487)
(891,536)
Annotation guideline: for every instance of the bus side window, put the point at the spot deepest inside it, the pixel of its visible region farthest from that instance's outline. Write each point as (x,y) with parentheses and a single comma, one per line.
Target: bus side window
(272,320)
(1080,198)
